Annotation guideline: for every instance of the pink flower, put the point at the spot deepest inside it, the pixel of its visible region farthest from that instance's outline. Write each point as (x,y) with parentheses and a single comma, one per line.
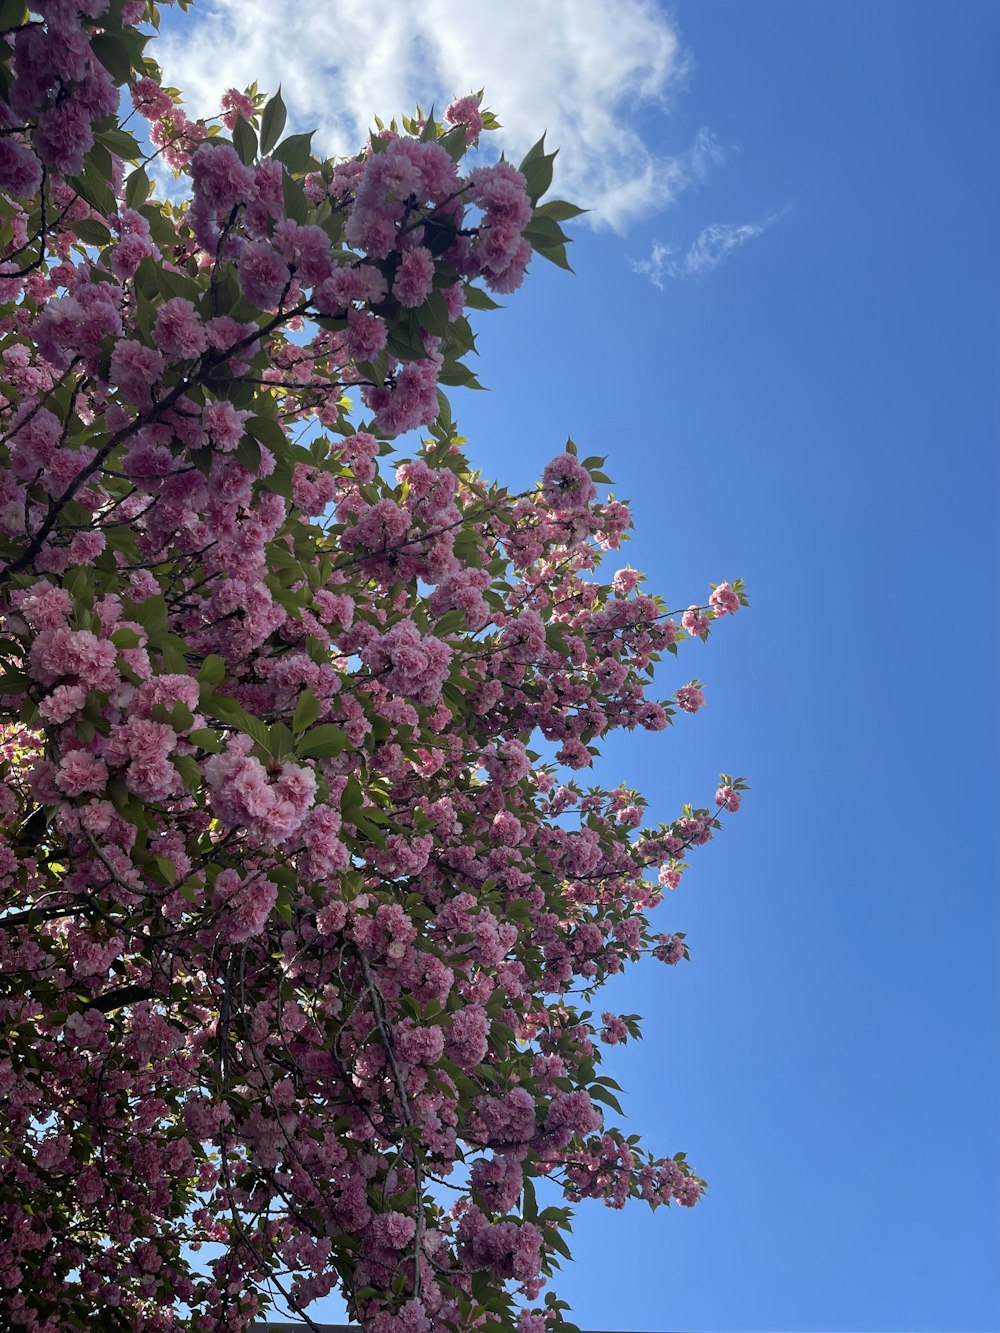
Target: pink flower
(411,402)
(80,771)
(690,698)
(178,331)
(614,1029)
(467,1039)
(394,1230)
(150,100)
(224,424)
(62,703)
(242,796)
(20,170)
(499,251)
(234,105)
(419,1045)
(136,369)
(567,485)
(245,904)
(64,652)
(724,600)
(264,275)
(626,581)
(366,334)
(67,328)
(312,490)
(498,1182)
(409,663)
(695,621)
(63,136)
(465,111)
(728,798)
(220,178)
(414,278)
(45,606)
(307,250)
(85,547)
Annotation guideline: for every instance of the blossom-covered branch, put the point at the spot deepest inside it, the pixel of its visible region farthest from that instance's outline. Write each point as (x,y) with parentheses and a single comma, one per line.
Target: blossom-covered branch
(298,882)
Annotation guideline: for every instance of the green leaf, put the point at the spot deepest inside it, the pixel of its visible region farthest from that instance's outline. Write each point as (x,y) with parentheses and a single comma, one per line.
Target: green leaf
(12,14)
(116,53)
(213,670)
(456,373)
(235,715)
(137,187)
(166,868)
(169,284)
(187,766)
(281,741)
(477,299)
(125,638)
(554,1239)
(307,710)
(557,256)
(451,622)
(245,142)
(92,232)
(297,206)
(368,830)
(536,168)
(248,453)
(555,637)
(544,233)
(94,188)
(205,739)
(268,431)
(599,1094)
(322,742)
(455,142)
(181,716)
(152,616)
(433,314)
(272,122)
(559,210)
(121,143)
(296,153)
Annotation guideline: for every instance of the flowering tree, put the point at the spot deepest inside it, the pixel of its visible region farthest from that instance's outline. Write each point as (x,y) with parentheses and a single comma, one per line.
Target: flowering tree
(294,923)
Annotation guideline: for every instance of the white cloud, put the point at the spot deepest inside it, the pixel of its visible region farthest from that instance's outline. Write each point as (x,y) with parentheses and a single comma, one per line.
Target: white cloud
(710,248)
(579,69)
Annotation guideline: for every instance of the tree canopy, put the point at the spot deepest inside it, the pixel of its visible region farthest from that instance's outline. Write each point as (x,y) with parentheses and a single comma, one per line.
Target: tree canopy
(306,892)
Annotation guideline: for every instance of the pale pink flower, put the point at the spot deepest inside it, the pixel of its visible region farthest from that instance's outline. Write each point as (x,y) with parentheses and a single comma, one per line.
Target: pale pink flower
(694,621)
(690,698)
(724,600)
(465,111)
(80,771)
(728,798)
(178,330)
(414,278)
(567,485)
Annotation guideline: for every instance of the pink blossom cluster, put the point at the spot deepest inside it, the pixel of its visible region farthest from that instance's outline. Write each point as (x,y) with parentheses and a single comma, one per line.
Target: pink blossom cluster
(243,796)
(412,665)
(500,253)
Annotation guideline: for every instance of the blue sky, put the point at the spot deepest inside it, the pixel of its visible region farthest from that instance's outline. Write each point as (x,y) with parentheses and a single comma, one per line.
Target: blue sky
(813,414)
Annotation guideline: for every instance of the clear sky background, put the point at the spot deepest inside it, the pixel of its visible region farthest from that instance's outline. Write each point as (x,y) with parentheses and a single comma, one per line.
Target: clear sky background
(787,347)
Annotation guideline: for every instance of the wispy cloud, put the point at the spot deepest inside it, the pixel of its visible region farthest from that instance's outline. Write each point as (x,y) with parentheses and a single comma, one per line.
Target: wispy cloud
(580,69)
(710,248)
